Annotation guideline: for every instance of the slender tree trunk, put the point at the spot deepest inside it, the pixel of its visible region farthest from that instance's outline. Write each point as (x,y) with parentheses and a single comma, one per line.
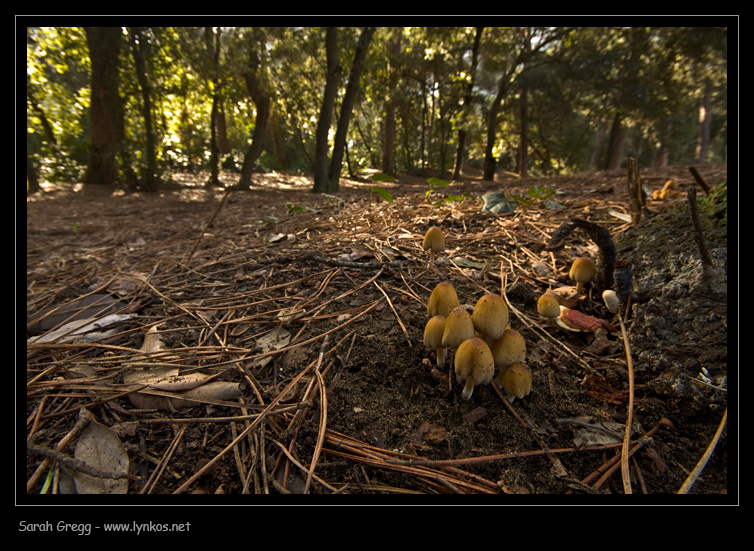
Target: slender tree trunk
(222,130)
(490,163)
(467,99)
(617,140)
(388,148)
(263,102)
(140,52)
(599,140)
(324,121)
(349,100)
(523,147)
(705,124)
(277,140)
(214,155)
(106,110)
(32,180)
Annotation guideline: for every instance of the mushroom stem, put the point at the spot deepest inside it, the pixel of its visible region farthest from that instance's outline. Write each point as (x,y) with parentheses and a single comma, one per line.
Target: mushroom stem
(468,388)
(442,353)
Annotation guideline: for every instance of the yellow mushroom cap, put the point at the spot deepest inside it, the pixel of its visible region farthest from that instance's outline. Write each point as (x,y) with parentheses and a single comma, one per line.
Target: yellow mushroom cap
(434,240)
(474,364)
(548,306)
(509,348)
(515,380)
(433,337)
(458,328)
(490,316)
(433,332)
(582,271)
(442,300)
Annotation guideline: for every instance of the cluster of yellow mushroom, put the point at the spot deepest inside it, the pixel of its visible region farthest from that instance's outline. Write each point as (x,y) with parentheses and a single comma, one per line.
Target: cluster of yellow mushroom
(550,305)
(481,340)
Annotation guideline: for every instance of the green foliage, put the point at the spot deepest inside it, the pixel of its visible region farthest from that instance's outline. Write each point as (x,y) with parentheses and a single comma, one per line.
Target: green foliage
(576,79)
(382,177)
(539,195)
(383,193)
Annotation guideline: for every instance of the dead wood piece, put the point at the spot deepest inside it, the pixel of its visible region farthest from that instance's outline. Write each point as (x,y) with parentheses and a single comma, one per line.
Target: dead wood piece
(699,179)
(701,243)
(636,196)
(346,264)
(600,236)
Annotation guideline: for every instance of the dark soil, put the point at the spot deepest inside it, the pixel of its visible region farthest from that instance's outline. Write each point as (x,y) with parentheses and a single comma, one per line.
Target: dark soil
(278,246)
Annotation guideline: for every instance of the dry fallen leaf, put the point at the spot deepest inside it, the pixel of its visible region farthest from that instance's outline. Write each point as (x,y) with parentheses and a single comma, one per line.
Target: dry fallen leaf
(100,448)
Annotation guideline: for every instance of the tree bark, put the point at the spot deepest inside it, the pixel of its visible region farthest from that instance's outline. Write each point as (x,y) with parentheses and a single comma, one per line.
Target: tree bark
(139,51)
(214,50)
(599,139)
(523,143)
(324,121)
(705,124)
(32,180)
(467,99)
(263,102)
(106,110)
(617,140)
(490,163)
(388,147)
(346,108)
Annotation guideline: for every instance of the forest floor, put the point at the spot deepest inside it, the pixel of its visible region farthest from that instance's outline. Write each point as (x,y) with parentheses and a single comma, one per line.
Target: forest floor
(312,307)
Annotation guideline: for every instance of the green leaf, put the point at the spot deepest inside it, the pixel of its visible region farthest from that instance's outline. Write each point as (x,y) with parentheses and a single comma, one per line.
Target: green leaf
(521,200)
(383,193)
(438,182)
(451,198)
(382,177)
(540,192)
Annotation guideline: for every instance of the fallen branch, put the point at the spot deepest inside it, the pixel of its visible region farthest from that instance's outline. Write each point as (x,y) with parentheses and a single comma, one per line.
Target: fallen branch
(692,478)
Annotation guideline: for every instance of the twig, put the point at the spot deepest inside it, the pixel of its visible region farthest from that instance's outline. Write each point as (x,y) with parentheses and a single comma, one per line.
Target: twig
(699,179)
(85,417)
(608,468)
(206,227)
(629,421)
(157,473)
(322,416)
(405,332)
(346,264)
(635,191)
(75,464)
(697,223)
(692,478)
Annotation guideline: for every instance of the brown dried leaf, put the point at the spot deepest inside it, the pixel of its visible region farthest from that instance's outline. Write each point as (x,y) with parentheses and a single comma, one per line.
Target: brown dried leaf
(100,448)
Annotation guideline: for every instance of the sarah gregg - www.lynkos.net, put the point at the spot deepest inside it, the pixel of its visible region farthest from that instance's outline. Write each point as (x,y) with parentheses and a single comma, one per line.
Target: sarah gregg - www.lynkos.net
(85,529)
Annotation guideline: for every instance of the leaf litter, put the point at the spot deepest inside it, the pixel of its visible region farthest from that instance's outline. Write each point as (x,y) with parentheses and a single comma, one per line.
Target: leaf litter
(286,307)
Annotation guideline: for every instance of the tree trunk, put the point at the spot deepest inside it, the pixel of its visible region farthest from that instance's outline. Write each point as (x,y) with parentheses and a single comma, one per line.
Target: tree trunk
(388,148)
(214,50)
(139,50)
(32,180)
(523,147)
(321,183)
(346,108)
(490,163)
(617,140)
(467,99)
(277,140)
(599,140)
(263,102)
(705,124)
(106,110)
